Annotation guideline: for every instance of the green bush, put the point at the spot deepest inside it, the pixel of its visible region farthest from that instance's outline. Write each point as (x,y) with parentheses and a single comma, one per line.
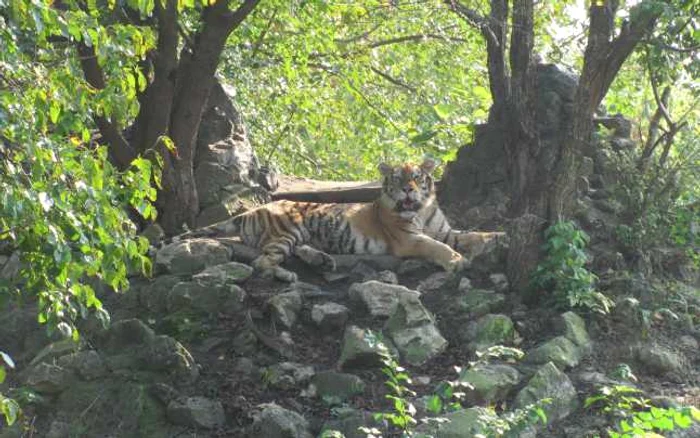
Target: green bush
(563,269)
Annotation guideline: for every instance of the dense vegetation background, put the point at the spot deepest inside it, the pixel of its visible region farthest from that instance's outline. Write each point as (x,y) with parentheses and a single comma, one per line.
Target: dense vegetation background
(100,106)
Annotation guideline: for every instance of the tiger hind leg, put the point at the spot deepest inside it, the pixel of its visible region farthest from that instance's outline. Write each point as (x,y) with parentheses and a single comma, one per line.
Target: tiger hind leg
(268,264)
(314,257)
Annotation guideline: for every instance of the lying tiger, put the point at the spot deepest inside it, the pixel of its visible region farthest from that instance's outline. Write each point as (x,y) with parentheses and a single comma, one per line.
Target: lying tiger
(405,221)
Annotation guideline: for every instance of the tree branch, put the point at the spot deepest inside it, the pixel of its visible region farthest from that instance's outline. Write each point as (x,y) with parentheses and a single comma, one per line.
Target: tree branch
(121,153)
(393,80)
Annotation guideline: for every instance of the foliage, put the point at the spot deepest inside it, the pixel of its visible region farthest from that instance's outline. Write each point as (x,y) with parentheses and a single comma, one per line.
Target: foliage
(447,398)
(332,88)
(63,206)
(563,269)
(635,415)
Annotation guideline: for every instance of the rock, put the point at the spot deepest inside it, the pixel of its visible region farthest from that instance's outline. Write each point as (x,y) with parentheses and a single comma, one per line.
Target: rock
(377,297)
(348,421)
(691,432)
(491,383)
(211,299)
(164,393)
(499,281)
(411,266)
(55,350)
(330,316)
(433,282)
(573,327)
(59,429)
(11,267)
(479,302)
(549,382)
(658,359)
(465,284)
(465,423)
(356,351)
(48,378)
(335,388)
(191,256)
(126,333)
(385,276)
(88,364)
(560,351)
(413,331)
(167,355)
(154,233)
(196,412)
(419,344)
(285,308)
(274,421)
(226,273)
(490,330)
(246,367)
(689,342)
(287,375)
(154,296)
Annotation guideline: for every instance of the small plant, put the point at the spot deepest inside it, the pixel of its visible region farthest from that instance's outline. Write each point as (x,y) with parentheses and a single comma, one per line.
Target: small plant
(623,372)
(563,270)
(402,417)
(9,408)
(635,416)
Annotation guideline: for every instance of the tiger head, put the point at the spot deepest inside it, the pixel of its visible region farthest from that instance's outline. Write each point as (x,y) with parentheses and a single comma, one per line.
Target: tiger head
(406,189)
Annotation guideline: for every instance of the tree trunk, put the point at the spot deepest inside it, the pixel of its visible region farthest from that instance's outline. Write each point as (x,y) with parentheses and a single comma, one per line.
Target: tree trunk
(541,174)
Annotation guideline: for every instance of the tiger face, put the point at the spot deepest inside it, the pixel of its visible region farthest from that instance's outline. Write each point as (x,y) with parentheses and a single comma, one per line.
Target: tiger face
(408,188)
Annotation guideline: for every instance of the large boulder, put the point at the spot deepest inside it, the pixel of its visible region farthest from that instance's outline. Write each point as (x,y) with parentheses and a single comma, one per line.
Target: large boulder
(560,351)
(549,382)
(191,256)
(379,298)
(489,383)
(336,388)
(274,421)
(197,412)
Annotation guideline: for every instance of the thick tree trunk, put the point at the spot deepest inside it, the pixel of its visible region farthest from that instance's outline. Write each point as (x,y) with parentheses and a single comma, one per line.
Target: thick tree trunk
(541,176)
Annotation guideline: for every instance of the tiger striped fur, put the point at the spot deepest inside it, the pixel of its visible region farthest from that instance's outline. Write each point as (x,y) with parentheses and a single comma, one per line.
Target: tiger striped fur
(404,221)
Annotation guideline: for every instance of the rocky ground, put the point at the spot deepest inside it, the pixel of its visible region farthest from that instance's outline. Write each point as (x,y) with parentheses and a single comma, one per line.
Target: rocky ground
(207,349)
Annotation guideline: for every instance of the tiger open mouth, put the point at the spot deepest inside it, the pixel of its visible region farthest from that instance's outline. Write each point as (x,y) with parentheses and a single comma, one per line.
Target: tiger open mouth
(407,205)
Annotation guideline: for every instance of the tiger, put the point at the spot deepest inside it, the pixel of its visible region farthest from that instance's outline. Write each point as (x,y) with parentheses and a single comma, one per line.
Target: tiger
(404,221)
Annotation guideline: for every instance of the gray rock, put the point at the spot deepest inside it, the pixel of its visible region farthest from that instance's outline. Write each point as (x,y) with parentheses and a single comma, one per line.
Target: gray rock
(126,333)
(413,331)
(490,330)
(348,422)
(191,256)
(207,298)
(377,297)
(88,364)
(465,284)
(689,342)
(231,272)
(433,282)
(419,344)
(586,168)
(196,412)
(154,233)
(491,383)
(356,351)
(287,375)
(330,316)
(573,327)
(59,429)
(479,302)
(466,423)
(154,296)
(499,282)
(658,359)
(411,266)
(549,382)
(55,350)
(11,267)
(167,355)
(335,388)
(285,308)
(560,351)
(274,421)
(246,367)
(48,378)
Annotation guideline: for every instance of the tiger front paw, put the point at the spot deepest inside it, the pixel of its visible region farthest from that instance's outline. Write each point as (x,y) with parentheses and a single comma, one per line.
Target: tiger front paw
(458,264)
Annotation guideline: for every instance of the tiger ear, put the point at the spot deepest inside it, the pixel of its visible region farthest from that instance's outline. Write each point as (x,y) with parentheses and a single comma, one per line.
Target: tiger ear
(385,169)
(428,165)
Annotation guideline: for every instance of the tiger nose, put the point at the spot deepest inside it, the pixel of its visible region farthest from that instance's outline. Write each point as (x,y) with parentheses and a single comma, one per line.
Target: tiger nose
(409,187)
